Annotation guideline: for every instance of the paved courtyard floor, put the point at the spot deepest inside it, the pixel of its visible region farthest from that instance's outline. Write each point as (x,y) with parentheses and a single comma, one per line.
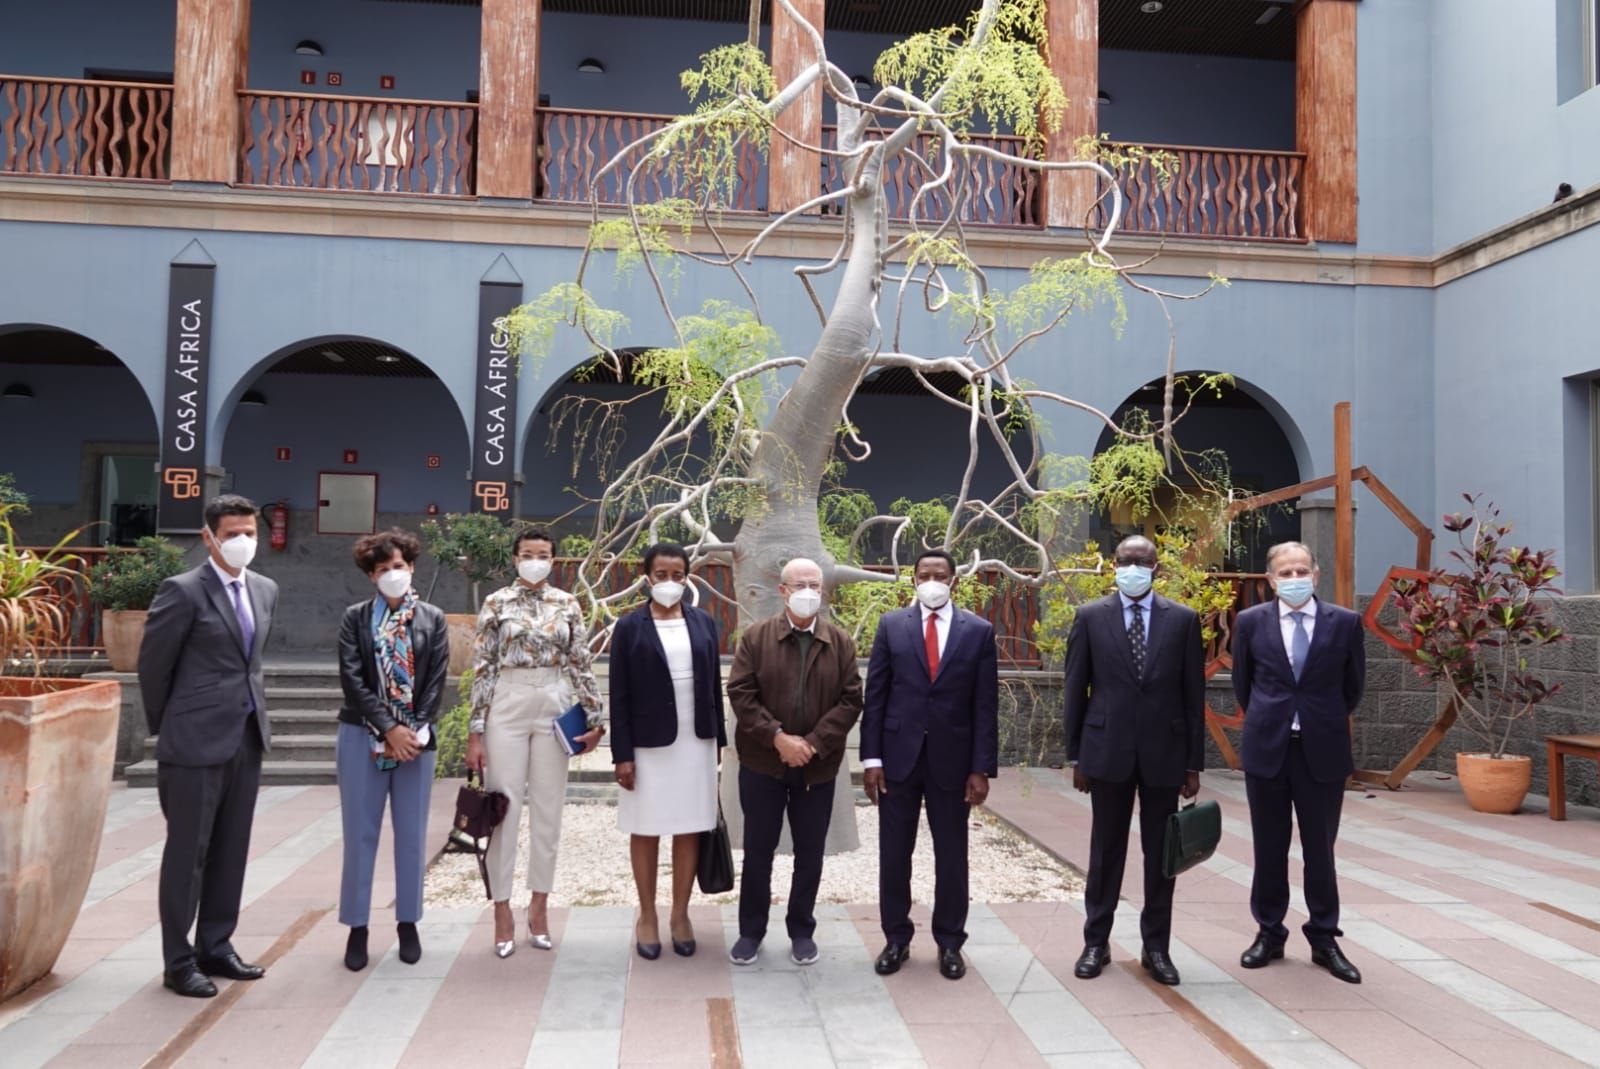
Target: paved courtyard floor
(1479,939)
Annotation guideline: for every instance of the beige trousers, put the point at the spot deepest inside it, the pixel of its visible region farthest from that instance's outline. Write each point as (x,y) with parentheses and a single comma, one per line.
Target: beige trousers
(524,761)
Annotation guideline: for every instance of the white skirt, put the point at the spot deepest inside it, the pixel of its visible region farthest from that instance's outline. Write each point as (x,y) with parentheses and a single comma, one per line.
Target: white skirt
(675,787)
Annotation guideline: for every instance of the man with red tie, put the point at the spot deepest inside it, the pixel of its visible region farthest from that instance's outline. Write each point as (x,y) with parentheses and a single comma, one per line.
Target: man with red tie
(929,733)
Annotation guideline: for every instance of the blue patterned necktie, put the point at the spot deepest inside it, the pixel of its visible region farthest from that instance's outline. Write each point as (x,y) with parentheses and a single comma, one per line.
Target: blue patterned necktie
(1136,639)
(1301,643)
(247,626)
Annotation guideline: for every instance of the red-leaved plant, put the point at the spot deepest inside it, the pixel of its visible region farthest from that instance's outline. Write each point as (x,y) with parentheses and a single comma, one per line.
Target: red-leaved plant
(1477,625)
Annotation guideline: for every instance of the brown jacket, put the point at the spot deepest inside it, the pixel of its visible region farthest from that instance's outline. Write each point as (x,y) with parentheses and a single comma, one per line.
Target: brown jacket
(764,684)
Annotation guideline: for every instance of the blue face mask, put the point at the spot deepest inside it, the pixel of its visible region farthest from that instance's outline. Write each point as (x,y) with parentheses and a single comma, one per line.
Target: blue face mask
(1295,592)
(1134,579)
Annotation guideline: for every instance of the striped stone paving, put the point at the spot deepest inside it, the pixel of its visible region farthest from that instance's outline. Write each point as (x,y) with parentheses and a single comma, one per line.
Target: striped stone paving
(1479,938)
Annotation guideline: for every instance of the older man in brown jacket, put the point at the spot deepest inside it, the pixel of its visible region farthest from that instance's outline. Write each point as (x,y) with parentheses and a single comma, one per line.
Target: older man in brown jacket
(796,692)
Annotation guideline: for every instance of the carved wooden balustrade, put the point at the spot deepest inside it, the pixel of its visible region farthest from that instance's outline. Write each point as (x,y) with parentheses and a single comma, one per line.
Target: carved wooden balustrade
(361,144)
(1212,193)
(575,144)
(994,193)
(85,129)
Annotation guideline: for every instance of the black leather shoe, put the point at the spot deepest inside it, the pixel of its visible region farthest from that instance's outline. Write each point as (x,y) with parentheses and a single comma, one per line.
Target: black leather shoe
(1159,966)
(410,942)
(951,967)
(1333,959)
(230,967)
(189,982)
(1091,961)
(355,949)
(894,955)
(1262,951)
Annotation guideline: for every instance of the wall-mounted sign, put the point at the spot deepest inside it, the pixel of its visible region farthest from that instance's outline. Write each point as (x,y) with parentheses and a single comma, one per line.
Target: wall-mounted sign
(433,461)
(495,412)
(385,81)
(181,506)
(335,78)
(351,456)
(283,452)
(308,77)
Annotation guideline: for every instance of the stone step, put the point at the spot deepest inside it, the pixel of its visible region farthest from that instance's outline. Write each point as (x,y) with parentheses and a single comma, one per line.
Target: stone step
(273,773)
(327,697)
(297,748)
(304,722)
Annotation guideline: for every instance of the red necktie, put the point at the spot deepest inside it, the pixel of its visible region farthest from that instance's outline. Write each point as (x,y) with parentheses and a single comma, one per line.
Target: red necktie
(930,640)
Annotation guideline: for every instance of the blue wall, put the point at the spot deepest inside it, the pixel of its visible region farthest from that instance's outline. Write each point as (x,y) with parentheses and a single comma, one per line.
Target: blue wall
(1197,100)
(61,38)
(41,441)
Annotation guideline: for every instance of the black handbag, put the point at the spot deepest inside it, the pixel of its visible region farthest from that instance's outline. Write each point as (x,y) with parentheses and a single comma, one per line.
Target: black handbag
(1193,833)
(715,871)
(478,814)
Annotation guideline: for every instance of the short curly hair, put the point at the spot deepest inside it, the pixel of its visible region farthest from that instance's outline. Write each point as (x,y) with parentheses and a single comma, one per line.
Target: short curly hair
(374,549)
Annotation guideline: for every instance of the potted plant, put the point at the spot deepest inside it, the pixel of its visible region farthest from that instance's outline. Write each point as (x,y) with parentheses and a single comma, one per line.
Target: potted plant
(478,546)
(123,586)
(58,741)
(1473,625)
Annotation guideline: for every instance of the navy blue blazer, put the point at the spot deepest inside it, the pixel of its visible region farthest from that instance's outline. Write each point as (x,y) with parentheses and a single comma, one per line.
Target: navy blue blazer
(1327,693)
(958,713)
(644,708)
(1117,723)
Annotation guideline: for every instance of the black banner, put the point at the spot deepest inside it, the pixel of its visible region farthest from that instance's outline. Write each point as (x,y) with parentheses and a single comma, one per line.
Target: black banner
(183,407)
(494,419)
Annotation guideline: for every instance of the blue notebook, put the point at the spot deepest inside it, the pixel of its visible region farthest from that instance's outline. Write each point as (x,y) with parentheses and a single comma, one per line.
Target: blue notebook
(568,726)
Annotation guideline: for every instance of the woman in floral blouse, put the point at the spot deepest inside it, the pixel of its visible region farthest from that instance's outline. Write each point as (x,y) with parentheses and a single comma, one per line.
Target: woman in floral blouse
(530,663)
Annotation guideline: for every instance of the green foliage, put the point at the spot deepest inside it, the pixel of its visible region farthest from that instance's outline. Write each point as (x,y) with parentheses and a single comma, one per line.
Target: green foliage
(532,326)
(452,732)
(1118,156)
(10,495)
(35,588)
(129,580)
(722,340)
(647,232)
(1056,287)
(732,85)
(474,544)
(1007,79)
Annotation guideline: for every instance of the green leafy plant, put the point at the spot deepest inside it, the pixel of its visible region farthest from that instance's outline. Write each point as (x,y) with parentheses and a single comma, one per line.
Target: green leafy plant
(1478,621)
(129,579)
(10,495)
(452,732)
(35,614)
(474,544)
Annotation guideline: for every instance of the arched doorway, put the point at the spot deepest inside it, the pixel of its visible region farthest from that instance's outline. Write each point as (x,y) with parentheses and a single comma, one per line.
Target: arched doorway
(78,436)
(1262,448)
(351,435)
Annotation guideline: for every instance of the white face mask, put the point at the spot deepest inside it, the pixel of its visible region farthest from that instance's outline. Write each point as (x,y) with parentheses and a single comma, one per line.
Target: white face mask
(532,570)
(933,594)
(666,594)
(395,583)
(805,603)
(238,551)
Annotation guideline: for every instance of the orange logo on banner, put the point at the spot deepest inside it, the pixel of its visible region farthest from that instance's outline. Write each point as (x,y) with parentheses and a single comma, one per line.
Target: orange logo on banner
(493,496)
(184,482)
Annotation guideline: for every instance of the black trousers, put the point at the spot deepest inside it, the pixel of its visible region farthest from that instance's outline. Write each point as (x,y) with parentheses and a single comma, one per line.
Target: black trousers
(1316,808)
(765,800)
(1112,805)
(209,813)
(899,813)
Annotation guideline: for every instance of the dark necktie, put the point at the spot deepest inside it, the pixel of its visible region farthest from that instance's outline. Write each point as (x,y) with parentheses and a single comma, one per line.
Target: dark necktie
(1300,643)
(247,626)
(1136,639)
(930,642)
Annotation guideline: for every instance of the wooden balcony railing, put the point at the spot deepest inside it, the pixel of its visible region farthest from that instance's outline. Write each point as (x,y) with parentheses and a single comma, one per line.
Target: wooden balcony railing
(85,129)
(1214,193)
(574,145)
(994,193)
(360,144)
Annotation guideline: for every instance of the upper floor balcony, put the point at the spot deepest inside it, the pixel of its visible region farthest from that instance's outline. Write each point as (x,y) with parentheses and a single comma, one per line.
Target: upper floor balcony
(521,100)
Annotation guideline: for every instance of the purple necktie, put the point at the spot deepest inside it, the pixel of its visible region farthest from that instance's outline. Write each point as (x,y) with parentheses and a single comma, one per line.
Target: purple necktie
(247,626)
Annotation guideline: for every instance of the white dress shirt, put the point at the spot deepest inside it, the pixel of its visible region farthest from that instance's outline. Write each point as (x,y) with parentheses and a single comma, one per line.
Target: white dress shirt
(227,588)
(1286,626)
(942,615)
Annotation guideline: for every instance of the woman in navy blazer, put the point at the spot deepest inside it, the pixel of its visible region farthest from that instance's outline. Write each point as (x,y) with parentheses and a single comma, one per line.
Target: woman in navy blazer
(666,738)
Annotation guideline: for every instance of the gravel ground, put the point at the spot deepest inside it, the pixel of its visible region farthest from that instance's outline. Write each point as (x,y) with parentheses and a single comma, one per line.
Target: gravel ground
(592,867)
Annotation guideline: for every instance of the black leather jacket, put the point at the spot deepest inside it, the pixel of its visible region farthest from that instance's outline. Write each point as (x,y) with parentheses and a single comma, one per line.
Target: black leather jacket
(358,668)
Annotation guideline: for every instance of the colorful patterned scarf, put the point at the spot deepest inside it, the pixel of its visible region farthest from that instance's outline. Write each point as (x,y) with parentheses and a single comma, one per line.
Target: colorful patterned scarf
(392,646)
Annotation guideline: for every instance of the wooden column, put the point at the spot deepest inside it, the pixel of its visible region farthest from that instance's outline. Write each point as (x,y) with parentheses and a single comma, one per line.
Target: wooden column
(1344,511)
(1325,116)
(794,175)
(210,62)
(508,98)
(1074,55)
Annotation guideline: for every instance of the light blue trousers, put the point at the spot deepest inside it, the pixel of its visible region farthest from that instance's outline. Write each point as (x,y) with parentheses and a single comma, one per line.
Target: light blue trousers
(363,790)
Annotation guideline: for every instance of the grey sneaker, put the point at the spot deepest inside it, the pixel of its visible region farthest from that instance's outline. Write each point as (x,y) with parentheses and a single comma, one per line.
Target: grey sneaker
(803,951)
(744,951)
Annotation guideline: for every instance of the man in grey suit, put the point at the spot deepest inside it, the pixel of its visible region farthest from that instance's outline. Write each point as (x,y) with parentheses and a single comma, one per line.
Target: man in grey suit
(200,676)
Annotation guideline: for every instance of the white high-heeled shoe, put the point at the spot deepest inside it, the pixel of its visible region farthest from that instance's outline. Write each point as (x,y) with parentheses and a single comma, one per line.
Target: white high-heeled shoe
(539,942)
(506,949)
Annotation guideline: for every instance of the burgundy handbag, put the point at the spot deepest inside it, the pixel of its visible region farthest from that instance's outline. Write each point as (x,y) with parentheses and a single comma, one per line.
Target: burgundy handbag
(478,814)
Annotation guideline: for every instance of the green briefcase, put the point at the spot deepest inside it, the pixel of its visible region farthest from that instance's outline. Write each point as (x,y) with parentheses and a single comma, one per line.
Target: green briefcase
(1193,833)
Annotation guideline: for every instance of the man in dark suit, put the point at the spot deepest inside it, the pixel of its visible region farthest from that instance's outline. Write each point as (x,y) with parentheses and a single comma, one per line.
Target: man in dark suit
(200,676)
(929,732)
(1299,666)
(1135,707)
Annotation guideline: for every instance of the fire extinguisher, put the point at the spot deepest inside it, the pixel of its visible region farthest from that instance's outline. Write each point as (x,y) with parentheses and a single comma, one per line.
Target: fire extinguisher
(279,518)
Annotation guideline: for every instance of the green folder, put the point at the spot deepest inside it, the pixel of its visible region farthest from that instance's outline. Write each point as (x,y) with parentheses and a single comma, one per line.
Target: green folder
(1193,833)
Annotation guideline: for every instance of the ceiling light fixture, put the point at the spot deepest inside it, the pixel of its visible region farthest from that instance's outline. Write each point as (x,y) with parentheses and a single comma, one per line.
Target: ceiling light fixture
(862,83)
(308,48)
(1103,99)
(1151,7)
(253,398)
(388,358)
(333,356)
(591,66)
(1268,15)
(18,391)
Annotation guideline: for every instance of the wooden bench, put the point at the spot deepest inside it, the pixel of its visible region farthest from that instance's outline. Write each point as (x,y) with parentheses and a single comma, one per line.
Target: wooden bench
(1560,747)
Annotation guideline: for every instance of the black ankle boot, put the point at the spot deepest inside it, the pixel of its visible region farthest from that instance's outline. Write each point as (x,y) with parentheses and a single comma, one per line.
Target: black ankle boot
(410,944)
(355,949)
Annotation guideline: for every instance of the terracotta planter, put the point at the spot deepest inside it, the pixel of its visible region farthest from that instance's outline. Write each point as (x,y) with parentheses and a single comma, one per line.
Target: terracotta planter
(463,629)
(1494,785)
(122,630)
(58,743)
